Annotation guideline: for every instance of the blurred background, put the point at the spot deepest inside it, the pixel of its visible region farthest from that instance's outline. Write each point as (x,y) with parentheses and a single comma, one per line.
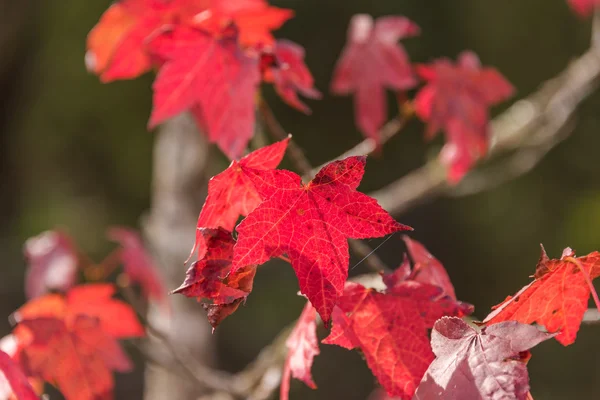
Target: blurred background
(75,153)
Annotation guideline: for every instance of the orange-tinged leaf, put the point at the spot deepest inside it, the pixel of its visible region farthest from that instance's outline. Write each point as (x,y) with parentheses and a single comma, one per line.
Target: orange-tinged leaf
(557,298)
(311,223)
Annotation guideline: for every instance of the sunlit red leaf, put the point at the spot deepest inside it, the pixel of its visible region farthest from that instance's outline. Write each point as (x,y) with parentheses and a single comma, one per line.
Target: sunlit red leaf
(311,223)
(138,264)
(484,364)
(557,298)
(52,263)
(231,193)
(211,277)
(390,329)
(456,98)
(302,346)
(212,76)
(285,68)
(371,62)
(584,7)
(13,381)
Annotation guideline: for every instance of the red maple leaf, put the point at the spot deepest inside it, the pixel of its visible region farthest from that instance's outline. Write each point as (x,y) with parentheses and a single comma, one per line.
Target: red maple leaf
(584,7)
(13,381)
(311,223)
(285,68)
(212,76)
(52,263)
(212,278)
(231,193)
(372,61)
(486,364)
(138,264)
(391,329)
(457,98)
(302,346)
(556,299)
(69,341)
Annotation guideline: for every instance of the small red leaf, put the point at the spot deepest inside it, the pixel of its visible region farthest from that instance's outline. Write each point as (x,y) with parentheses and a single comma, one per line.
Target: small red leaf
(557,298)
(302,346)
(457,98)
(372,61)
(482,364)
(289,74)
(52,261)
(311,224)
(214,77)
(13,380)
(138,264)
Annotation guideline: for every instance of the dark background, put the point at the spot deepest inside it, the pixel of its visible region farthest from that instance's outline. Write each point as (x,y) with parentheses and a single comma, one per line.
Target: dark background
(75,153)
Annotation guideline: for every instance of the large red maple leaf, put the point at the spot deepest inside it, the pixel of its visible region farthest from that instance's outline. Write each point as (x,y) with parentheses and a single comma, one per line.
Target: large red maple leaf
(303,346)
(52,263)
(556,299)
(584,7)
(70,341)
(311,223)
(372,61)
(486,364)
(284,67)
(211,277)
(457,98)
(390,329)
(212,76)
(231,193)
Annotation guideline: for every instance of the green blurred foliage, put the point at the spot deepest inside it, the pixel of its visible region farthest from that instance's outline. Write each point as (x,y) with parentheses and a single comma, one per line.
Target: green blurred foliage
(76,154)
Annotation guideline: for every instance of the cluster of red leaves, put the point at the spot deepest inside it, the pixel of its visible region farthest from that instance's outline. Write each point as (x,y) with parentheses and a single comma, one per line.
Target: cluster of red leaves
(455,98)
(584,7)
(211,55)
(70,341)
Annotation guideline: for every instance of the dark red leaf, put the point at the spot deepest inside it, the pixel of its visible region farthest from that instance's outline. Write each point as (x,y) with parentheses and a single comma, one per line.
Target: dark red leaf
(557,298)
(214,77)
(290,75)
(391,329)
(52,263)
(302,346)
(483,365)
(372,61)
(212,278)
(138,264)
(311,223)
(457,98)
(13,380)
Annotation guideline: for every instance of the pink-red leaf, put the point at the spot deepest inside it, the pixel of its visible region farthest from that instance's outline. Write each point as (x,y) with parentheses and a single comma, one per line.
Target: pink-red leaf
(557,298)
(302,346)
(211,277)
(391,329)
(138,264)
(479,365)
(52,263)
(212,76)
(457,98)
(584,7)
(231,193)
(13,380)
(311,224)
(371,62)
(286,70)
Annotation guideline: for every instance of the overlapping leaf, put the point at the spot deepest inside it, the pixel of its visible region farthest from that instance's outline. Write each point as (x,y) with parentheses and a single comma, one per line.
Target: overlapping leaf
(371,62)
(231,193)
(138,264)
(311,224)
(391,329)
(285,68)
(13,381)
(52,263)
(479,365)
(457,98)
(584,7)
(302,346)
(70,341)
(211,277)
(556,299)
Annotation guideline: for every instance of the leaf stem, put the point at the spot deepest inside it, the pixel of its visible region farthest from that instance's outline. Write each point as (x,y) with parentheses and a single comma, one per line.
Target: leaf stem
(586,276)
